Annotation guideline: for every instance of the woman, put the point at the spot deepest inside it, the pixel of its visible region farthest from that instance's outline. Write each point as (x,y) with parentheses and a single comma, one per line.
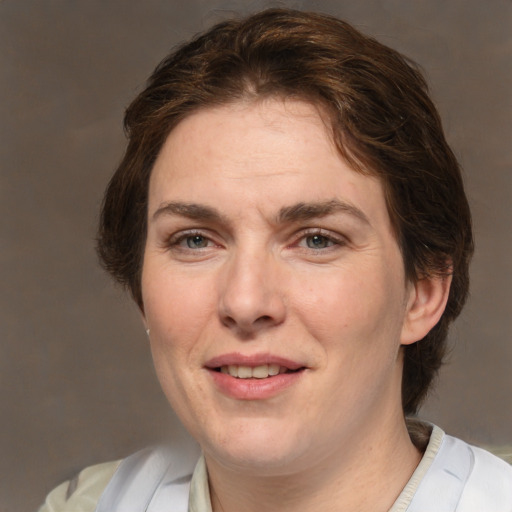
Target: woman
(293,227)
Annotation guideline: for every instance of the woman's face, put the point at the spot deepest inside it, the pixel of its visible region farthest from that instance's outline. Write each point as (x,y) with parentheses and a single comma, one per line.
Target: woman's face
(273,287)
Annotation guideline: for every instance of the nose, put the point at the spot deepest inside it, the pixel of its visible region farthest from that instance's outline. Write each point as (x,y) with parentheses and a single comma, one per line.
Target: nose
(251,298)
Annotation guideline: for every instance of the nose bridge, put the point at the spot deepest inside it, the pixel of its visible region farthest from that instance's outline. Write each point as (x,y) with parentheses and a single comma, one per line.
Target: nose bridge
(250,292)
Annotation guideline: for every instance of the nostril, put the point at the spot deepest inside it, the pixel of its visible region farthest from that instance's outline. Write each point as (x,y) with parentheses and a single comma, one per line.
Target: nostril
(229,320)
(247,317)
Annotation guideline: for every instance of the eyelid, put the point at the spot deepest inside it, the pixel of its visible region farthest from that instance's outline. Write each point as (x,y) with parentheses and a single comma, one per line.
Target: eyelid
(176,238)
(337,238)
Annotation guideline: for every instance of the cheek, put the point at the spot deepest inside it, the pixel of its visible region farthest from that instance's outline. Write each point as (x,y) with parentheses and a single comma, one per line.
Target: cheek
(349,306)
(176,309)
(178,313)
(333,298)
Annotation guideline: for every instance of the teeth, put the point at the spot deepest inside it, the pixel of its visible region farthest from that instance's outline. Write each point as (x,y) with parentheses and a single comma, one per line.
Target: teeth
(244,372)
(256,372)
(260,372)
(273,369)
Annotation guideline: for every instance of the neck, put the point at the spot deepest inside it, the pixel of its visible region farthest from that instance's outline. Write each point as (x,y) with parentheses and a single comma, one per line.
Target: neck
(366,475)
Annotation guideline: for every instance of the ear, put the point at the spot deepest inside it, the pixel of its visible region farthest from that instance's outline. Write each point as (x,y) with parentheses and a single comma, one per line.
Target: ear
(426,303)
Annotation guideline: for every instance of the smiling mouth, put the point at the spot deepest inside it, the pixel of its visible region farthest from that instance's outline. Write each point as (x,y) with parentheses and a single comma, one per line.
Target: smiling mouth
(263,371)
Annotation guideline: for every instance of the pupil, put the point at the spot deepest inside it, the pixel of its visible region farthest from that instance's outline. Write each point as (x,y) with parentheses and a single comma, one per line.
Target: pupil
(196,241)
(317,241)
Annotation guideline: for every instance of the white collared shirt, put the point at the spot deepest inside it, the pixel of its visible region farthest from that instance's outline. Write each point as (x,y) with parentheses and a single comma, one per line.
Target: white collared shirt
(452,476)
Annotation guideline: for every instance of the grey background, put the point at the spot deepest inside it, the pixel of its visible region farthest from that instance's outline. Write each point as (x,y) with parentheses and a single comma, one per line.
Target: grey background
(75,372)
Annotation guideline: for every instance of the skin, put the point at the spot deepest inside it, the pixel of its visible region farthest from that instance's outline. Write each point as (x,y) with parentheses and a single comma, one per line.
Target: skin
(241,272)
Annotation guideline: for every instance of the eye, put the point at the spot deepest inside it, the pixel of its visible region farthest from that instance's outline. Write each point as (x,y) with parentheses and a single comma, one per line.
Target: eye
(317,241)
(195,241)
(190,241)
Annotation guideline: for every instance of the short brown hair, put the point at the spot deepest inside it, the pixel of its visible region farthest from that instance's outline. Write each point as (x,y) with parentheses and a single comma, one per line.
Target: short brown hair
(383,123)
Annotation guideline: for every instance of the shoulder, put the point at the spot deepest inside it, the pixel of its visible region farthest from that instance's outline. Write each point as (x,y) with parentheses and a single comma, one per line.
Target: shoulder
(477,479)
(503,452)
(454,475)
(81,494)
(130,484)
(489,484)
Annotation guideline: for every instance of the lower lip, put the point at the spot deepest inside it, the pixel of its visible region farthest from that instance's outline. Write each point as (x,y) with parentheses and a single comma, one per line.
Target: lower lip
(254,389)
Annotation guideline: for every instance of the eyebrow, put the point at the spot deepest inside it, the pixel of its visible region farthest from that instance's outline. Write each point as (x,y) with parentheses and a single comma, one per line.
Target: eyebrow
(294,213)
(192,211)
(306,211)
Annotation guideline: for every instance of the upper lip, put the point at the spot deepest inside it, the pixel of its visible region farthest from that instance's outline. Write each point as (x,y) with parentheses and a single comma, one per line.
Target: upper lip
(236,358)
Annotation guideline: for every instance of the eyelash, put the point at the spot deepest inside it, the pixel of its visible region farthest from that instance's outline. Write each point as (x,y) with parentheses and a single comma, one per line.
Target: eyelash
(332,239)
(177,239)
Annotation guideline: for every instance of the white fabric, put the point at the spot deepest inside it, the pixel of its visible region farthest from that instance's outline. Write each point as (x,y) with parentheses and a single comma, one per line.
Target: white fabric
(463,478)
(82,493)
(431,451)
(452,477)
(152,480)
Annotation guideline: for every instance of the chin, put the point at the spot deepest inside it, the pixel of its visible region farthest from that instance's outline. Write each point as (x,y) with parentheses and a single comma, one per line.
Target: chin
(260,445)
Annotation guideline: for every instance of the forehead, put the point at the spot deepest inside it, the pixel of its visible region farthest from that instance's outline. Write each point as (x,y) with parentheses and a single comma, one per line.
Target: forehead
(267,153)
(267,127)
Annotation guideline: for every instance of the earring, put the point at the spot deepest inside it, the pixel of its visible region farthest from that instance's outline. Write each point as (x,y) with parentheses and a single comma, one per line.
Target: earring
(147,332)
